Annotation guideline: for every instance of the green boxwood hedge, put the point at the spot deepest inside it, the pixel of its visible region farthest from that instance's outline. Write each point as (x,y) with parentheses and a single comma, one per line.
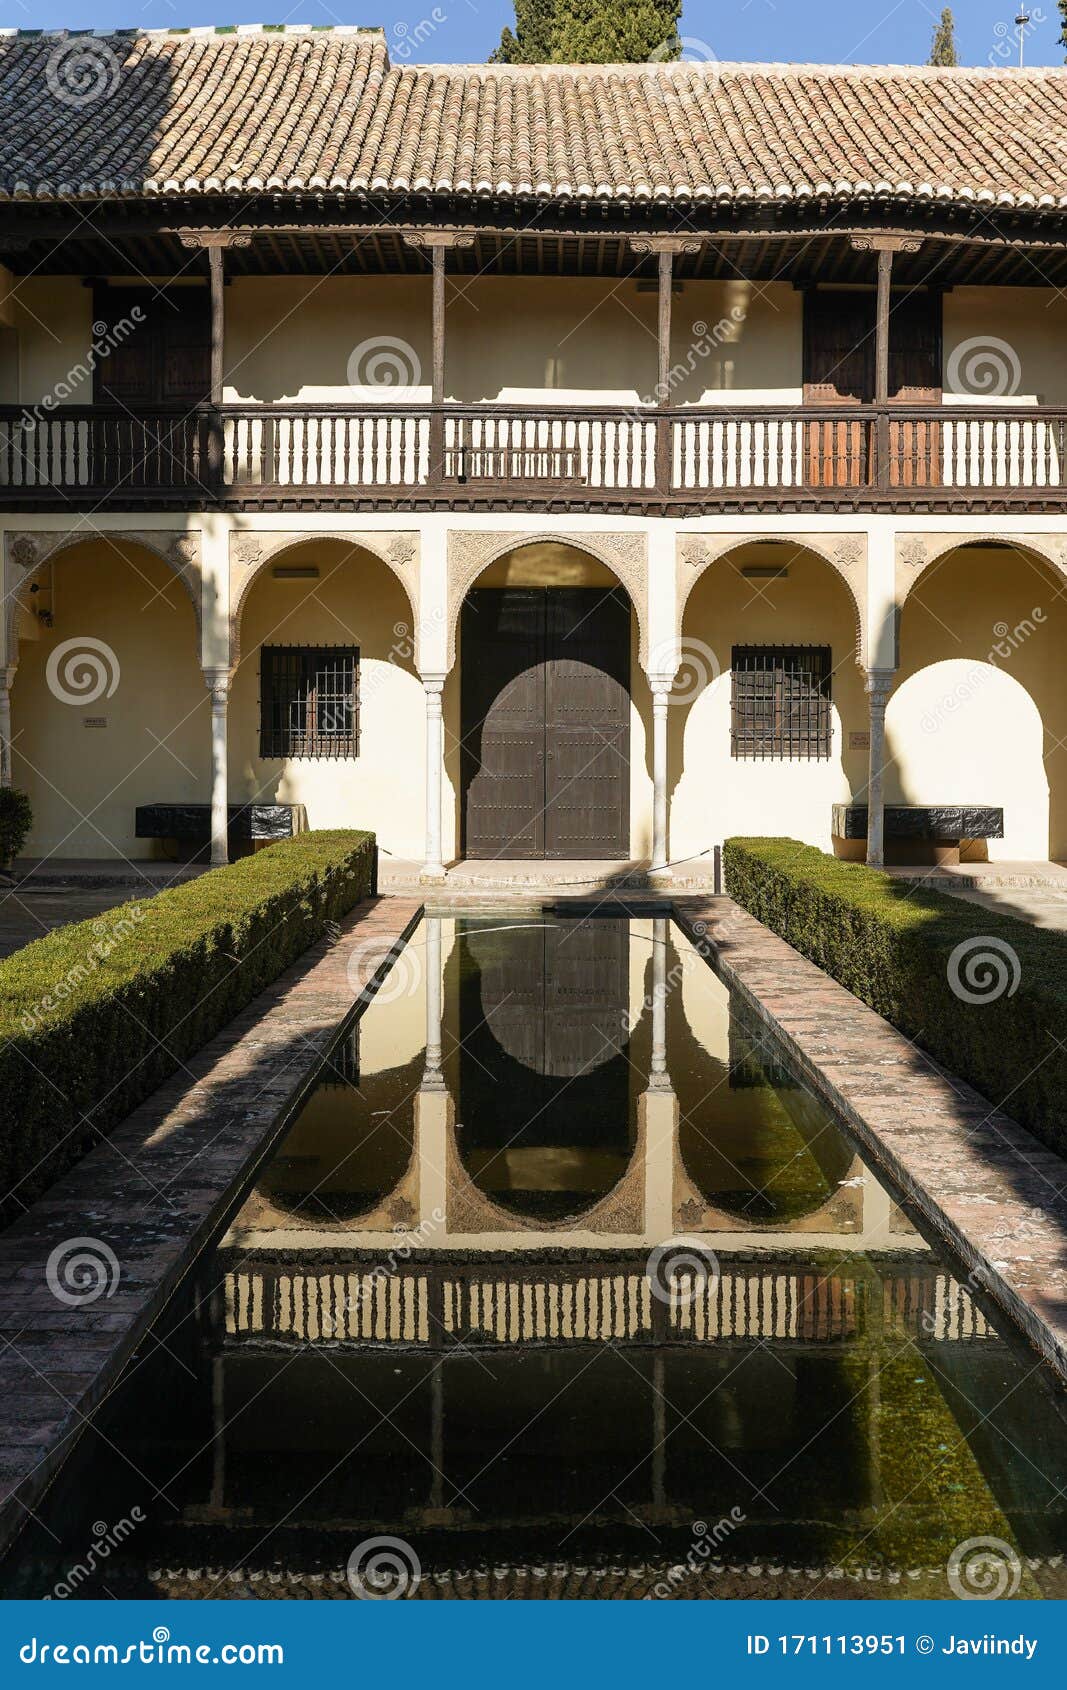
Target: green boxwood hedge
(985,994)
(98,1014)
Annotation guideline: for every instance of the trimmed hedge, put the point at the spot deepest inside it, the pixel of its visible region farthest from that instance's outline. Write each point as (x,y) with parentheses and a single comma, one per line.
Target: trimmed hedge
(895,945)
(16,819)
(98,1014)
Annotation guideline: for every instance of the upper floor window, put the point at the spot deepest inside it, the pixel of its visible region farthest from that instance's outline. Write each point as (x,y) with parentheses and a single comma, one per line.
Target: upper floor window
(161,354)
(309,701)
(780,701)
(839,346)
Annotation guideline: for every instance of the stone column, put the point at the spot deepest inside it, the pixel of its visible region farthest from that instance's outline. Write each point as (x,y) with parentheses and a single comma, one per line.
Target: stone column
(7,676)
(433,869)
(661,699)
(432,1077)
(218,681)
(879,687)
(659,1079)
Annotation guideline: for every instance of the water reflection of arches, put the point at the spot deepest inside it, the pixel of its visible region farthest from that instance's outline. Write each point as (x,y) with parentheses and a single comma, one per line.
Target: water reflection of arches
(541,1076)
(351,1154)
(754,1145)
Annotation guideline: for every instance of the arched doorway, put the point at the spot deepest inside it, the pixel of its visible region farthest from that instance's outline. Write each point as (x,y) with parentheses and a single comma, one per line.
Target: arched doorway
(545,708)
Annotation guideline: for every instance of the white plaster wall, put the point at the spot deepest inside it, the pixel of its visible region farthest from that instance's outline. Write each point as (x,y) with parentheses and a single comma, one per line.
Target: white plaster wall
(85,782)
(356,601)
(714,795)
(1005,346)
(562,339)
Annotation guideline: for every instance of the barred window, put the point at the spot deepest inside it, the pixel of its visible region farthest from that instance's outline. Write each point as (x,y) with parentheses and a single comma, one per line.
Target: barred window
(781,701)
(309,701)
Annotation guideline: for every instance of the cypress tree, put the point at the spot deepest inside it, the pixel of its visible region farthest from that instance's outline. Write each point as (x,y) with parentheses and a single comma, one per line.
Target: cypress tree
(591,32)
(943,51)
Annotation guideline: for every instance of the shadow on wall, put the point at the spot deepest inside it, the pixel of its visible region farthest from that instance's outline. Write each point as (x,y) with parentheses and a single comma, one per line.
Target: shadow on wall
(979,713)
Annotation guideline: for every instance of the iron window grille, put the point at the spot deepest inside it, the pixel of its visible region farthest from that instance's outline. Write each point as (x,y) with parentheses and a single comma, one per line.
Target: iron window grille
(309,701)
(780,702)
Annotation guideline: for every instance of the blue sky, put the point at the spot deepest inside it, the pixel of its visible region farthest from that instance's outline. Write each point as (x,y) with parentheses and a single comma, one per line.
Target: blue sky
(887,31)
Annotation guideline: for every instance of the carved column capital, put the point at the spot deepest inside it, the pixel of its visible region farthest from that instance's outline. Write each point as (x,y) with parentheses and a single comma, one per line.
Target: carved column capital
(879,684)
(217,679)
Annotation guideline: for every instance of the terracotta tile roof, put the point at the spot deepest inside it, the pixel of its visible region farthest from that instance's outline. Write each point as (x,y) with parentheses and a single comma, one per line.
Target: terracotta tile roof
(207,112)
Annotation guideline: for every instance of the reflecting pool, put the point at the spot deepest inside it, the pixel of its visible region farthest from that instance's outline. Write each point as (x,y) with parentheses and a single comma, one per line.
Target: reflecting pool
(562,1279)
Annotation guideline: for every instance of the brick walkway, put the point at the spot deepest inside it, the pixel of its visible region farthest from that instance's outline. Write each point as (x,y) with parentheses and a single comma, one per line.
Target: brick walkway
(154,1194)
(983,1182)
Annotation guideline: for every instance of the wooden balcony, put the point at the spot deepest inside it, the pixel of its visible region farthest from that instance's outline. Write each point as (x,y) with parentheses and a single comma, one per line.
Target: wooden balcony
(670,461)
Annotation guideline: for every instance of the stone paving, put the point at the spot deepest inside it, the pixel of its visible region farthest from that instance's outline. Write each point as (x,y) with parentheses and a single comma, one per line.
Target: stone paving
(983,1182)
(145,1202)
(27,914)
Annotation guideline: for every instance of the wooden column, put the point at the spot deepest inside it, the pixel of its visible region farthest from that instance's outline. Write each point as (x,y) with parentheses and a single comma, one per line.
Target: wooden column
(214,242)
(886,246)
(218,323)
(665,248)
(437,244)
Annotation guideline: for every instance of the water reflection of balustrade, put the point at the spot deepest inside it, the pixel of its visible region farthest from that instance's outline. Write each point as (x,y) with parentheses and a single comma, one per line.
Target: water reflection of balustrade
(504,1302)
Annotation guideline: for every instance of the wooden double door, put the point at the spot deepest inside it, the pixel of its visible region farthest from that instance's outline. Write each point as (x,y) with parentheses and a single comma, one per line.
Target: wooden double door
(545,763)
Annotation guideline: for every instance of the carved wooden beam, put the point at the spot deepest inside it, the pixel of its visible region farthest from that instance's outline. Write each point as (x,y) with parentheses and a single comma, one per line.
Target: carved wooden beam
(212,240)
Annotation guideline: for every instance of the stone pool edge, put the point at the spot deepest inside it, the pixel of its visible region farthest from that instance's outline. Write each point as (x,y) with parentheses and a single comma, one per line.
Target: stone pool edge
(154,1193)
(981,1181)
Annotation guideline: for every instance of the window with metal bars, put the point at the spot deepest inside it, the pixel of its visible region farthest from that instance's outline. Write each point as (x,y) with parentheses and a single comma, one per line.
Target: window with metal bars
(781,701)
(309,701)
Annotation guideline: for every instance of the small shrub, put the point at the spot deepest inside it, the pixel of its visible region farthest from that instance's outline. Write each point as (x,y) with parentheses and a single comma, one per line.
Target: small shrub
(98,1014)
(16,819)
(985,994)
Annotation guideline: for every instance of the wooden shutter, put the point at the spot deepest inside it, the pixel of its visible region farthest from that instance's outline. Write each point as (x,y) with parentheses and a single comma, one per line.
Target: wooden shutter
(838,347)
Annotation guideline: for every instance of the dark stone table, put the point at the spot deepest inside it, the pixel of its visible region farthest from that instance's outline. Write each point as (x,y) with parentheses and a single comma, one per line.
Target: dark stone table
(250,825)
(944,823)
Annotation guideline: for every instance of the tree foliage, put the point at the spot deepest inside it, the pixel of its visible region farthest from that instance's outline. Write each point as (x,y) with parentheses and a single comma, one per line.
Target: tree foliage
(943,51)
(591,32)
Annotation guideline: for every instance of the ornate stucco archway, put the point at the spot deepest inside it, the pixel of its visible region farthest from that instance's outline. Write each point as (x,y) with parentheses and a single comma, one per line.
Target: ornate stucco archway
(846,555)
(25,553)
(470,552)
(918,554)
(253,549)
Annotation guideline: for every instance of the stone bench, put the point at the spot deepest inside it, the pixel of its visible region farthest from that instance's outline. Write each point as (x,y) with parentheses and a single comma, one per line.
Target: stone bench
(916,833)
(250,827)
